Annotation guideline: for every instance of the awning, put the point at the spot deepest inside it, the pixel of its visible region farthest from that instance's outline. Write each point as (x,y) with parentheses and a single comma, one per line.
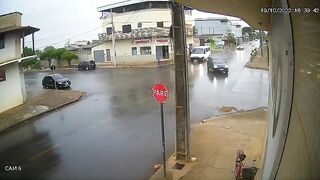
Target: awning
(26,30)
(248,10)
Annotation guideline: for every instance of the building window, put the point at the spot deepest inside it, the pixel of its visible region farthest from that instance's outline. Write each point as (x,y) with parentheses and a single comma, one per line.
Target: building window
(139,25)
(2,42)
(109,30)
(134,50)
(145,50)
(2,75)
(126,28)
(159,24)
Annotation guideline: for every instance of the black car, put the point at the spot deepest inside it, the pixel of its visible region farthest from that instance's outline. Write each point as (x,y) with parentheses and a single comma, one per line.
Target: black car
(217,65)
(55,81)
(86,65)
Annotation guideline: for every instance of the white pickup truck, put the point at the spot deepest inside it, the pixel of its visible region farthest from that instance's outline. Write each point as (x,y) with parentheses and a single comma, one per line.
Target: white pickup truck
(200,54)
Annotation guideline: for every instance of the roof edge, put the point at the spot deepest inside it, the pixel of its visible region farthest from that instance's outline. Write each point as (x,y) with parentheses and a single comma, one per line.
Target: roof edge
(16,12)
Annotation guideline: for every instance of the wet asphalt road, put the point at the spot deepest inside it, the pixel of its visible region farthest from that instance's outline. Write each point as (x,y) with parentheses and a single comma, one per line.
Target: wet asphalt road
(114,131)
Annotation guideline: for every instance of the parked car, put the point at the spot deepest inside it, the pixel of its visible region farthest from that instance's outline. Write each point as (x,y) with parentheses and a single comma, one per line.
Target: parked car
(86,65)
(55,81)
(240,47)
(200,54)
(217,65)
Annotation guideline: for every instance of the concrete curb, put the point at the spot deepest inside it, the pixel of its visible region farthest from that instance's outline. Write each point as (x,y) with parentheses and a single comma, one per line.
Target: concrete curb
(239,112)
(253,67)
(61,105)
(25,120)
(133,66)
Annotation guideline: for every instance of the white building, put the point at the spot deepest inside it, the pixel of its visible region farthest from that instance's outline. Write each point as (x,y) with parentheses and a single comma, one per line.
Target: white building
(213,26)
(218,26)
(82,49)
(12,87)
(236,29)
(141,31)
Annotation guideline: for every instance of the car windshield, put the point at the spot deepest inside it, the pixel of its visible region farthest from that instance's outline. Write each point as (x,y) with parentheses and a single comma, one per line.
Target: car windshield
(57,76)
(218,61)
(198,51)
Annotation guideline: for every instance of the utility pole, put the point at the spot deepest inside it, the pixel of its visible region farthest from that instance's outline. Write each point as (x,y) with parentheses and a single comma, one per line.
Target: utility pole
(182,151)
(261,43)
(113,41)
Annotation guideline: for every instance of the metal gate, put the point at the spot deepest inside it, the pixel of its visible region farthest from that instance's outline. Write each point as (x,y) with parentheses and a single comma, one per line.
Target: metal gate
(98,56)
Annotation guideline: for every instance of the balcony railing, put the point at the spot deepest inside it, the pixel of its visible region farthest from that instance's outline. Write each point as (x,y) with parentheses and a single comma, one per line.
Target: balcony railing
(142,33)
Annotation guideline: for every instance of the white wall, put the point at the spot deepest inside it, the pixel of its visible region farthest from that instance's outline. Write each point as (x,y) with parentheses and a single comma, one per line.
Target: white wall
(12,48)
(237,31)
(212,27)
(148,17)
(124,49)
(11,91)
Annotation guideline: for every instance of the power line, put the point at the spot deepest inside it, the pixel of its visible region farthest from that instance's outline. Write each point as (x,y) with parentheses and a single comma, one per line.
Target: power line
(73,36)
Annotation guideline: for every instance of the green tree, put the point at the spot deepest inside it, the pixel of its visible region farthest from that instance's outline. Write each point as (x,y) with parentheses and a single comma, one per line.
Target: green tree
(30,62)
(213,42)
(250,32)
(28,51)
(230,40)
(69,56)
(47,54)
(57,54)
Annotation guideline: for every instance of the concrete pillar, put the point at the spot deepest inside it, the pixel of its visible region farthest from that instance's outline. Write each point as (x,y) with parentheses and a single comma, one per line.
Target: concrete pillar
(182,150)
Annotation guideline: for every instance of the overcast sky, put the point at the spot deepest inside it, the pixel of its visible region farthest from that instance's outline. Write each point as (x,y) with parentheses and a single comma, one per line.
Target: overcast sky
(62,20)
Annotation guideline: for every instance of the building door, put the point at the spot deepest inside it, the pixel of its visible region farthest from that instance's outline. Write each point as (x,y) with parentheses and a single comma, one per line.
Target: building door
(165,52)
(202,41)
(108,55)
(98,56)
(162,52)
(159,54)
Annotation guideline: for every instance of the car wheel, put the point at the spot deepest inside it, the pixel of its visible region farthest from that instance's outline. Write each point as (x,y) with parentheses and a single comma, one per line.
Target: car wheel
(87,68)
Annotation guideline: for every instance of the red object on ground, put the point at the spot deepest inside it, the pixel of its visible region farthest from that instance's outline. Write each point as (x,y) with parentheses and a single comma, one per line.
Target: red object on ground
(160,92)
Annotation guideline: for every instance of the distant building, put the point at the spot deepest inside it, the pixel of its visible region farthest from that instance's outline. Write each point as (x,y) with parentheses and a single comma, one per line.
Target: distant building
(141,31)
(236,29)
(12,86)
(219,28)
(82,49)
(213,26)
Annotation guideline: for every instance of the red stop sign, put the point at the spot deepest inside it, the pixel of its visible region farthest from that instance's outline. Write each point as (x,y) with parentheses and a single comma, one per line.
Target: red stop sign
(160,92)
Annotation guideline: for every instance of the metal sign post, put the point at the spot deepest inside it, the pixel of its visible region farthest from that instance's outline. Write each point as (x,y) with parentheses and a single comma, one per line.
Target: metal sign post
(160,93)
(163,142)
(53,67)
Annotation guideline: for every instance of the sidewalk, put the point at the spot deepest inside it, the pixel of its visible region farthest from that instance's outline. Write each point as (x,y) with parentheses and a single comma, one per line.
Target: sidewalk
(135,64)
(215,142)
(259,62)
(48,101)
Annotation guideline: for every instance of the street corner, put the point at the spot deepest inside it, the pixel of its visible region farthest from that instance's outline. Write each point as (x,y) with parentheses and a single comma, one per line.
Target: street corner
(43,103)
(57,98)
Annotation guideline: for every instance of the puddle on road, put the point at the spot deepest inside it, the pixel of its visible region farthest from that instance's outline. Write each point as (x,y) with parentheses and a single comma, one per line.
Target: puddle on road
(227,109)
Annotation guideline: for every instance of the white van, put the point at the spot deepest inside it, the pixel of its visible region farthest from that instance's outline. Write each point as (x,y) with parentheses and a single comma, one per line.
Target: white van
(201,53)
